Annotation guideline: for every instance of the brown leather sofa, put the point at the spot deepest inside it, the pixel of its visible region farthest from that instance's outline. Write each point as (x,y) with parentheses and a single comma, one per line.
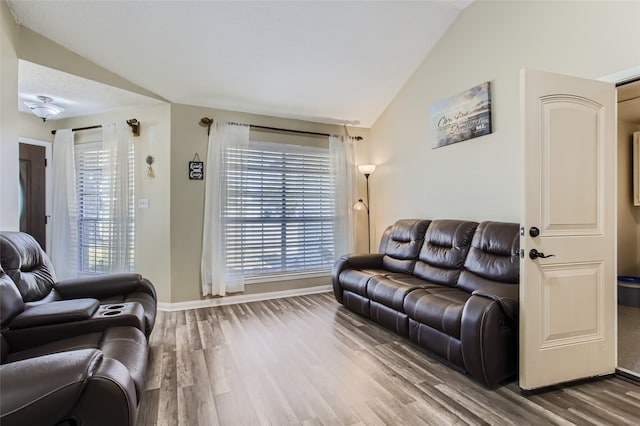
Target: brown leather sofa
(56,309)
(449,286)
(72,352)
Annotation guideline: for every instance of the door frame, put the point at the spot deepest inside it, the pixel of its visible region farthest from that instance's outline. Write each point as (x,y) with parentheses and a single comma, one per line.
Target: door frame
(619,78)
(622,76)
(48,149)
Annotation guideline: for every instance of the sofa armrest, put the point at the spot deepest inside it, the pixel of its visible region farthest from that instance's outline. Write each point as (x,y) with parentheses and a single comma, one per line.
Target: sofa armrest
(364,260)
(55,382)
(506,295)
(102,286)
(489,340)
(110,394)
(353,261)
(55,313)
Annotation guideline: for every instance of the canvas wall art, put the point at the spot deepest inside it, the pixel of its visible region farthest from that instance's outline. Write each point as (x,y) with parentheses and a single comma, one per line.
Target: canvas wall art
(464,116)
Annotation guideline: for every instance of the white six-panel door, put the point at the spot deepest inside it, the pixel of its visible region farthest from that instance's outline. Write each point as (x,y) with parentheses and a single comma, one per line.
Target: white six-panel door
(567,300)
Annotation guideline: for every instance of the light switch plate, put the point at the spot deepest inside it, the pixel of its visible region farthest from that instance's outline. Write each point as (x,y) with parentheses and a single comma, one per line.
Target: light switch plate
(143,203)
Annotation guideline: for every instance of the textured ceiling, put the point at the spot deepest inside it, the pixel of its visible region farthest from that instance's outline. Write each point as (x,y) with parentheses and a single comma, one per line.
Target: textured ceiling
(78,96)
(329,61)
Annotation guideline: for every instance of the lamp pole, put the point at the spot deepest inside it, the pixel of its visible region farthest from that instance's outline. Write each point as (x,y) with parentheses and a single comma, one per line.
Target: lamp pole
(366,170)
(366,176)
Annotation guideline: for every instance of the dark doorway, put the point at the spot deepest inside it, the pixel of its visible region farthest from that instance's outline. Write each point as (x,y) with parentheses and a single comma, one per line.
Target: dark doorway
(33,218)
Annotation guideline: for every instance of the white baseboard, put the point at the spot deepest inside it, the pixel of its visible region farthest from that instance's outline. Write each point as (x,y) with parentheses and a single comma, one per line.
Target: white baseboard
(241,298)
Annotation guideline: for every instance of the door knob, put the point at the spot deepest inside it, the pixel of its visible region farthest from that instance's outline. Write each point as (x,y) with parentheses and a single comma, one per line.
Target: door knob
(534,232)
(534,254)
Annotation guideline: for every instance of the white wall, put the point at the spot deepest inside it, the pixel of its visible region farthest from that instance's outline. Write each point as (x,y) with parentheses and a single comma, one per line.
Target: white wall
(153,244)
(9,215)
(491,41)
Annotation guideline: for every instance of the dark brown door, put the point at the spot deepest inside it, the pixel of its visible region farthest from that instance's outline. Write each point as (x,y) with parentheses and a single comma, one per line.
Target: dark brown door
(33,192)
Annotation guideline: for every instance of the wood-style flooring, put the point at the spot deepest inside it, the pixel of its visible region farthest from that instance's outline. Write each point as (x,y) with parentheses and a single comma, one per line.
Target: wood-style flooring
(308,361)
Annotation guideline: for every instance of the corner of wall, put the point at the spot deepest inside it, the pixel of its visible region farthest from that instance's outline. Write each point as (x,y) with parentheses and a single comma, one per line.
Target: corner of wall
(9,216)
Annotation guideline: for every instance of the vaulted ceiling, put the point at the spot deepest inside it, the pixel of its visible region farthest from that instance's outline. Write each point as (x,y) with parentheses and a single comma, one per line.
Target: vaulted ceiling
(326,61)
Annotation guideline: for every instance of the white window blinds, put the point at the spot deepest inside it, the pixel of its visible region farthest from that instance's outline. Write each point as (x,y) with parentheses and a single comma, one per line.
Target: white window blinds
(280,210)
(96,222)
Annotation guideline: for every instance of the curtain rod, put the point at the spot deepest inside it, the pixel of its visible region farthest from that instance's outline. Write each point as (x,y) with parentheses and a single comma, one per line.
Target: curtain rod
(277,129)
(99,126)
(133,123)
(207,122)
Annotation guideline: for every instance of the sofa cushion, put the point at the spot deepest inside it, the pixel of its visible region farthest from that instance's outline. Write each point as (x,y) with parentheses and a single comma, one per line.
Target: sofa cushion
(403,242)
(11,303)
(438,307)
(127,345)
(445,247)
(27,265)
(355,280)
(391,290)
(493,257)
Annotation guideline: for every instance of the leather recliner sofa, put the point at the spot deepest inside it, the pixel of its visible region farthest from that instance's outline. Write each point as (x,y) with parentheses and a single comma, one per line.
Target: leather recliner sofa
(449,286)
(72,352)
(86,379)
(54,309)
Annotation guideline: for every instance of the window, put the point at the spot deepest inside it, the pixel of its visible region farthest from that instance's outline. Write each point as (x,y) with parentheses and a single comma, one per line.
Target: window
(96,223)
(280,210)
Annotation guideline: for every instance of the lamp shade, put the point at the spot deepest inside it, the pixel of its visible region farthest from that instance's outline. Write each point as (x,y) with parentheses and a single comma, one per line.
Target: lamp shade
(367,169)
(360,206)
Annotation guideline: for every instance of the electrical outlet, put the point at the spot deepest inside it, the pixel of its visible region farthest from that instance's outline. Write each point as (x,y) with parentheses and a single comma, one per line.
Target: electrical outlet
(143,203)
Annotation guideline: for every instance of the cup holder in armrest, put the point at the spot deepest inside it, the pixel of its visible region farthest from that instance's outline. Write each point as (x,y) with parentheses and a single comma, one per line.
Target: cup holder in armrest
(121,313)
(110,307)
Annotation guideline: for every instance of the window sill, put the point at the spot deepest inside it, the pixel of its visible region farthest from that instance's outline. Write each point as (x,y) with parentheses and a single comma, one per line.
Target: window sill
(287,277)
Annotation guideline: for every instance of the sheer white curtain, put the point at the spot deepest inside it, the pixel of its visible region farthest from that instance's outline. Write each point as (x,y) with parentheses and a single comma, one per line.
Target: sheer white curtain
(343,165)
(224,138)
(117,142)
(64,221)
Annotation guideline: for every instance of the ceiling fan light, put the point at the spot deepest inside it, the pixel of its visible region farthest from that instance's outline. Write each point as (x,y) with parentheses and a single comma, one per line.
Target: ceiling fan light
(44,109)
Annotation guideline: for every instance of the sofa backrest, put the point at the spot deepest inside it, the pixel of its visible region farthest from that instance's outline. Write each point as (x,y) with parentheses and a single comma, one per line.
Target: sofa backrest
(27,265)
(11,303)
(401,244)
(443,253)
(493,258)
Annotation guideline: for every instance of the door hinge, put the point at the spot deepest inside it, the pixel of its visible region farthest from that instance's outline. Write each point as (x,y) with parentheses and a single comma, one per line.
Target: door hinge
(46,162)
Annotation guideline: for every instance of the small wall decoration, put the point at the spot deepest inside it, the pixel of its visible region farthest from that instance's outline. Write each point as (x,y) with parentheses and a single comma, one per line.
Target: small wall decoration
(196,168)
(149,160)
(464,116)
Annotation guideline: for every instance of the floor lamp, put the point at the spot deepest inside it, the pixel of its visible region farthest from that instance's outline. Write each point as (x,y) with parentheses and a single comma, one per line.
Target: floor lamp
(366,170)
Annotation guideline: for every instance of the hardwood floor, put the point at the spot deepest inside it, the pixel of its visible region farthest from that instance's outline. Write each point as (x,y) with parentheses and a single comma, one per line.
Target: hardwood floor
(308,361)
